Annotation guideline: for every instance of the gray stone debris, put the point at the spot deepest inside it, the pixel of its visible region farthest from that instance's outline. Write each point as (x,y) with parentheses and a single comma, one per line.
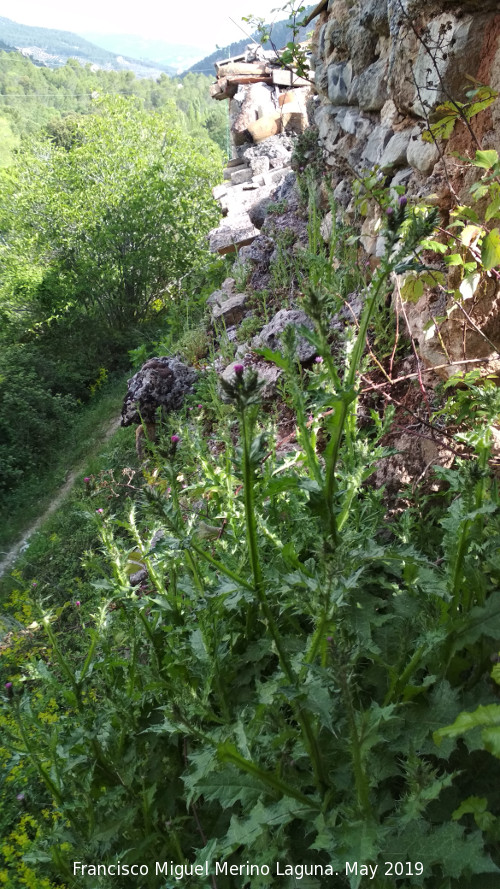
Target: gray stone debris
(270,335)
(278,149)
(160,383)
(231,310)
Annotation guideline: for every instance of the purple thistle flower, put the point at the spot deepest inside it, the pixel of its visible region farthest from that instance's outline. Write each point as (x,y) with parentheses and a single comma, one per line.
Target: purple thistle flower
(9,686)
(100,510)
(389,211)
(78,603)
(21,797)
(318,359)
(86,479)
(402,200)
(238,369)
(175,439)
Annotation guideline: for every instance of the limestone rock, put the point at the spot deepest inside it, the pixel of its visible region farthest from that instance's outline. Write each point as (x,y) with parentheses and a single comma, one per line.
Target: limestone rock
(372,86)
(343,193)
(250,103)
(334,37)
(258,210)
(278,150)
(267,373)
(353,122)
(219,191)
(241,175)
(374,15)
(321,77)
(259,251)
(259,165)
(231,310)
(217,297)
(325,118)
(160,383)
(270,335)
(401,178)
(460,339)
(394,154)
(361,45)
(235,231)
(229,171)
(339,82)
(415,457)
(293,118)
(460,39)
(421,155)
(265,127)
(376,144)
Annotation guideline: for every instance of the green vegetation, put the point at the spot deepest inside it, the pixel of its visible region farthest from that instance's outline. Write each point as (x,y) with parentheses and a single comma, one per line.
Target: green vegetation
(32,97)
(292,679)
(305,673)
(103,225)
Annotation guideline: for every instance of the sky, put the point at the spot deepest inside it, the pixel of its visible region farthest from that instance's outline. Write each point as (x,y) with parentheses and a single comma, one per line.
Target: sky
(197,23)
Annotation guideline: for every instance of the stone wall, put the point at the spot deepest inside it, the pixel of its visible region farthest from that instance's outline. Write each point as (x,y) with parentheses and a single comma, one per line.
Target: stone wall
(378,85)
(381,68)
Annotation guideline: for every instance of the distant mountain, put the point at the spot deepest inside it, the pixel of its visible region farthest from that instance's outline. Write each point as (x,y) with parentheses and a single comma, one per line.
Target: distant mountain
(4,47)
(53,49)
(281,34)
(171,55)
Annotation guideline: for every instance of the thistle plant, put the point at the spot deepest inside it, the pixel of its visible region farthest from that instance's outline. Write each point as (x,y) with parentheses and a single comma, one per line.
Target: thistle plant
(277,688)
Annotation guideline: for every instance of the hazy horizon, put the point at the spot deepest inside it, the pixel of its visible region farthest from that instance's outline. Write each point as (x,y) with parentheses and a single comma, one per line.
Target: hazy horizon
(204,29)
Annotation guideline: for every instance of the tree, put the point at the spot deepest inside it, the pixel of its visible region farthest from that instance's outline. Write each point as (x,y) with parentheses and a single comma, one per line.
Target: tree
(120,212)
(8,142)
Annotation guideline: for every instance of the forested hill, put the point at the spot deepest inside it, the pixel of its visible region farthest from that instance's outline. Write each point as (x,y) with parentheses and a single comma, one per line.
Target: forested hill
(4,47)
(53,48)
(32,97)
(281,34)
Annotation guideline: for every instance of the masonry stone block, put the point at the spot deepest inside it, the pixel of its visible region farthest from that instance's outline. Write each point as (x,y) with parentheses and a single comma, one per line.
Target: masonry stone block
(372,86)
(395,152)
(422,156)
(376,144)
(339,82)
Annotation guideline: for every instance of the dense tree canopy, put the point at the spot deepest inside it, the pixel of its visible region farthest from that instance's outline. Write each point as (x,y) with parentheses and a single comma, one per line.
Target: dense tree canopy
(120,214)
(99,223)
(32,97)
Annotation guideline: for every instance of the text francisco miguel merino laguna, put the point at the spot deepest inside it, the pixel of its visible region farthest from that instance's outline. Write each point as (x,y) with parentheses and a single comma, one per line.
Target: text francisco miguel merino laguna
(180,871)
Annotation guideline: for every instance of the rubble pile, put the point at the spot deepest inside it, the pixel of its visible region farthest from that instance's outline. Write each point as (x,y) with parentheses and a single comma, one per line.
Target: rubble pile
(267,106)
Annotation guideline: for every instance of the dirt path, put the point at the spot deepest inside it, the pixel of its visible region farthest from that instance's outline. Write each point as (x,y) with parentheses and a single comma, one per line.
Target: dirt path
(10,557)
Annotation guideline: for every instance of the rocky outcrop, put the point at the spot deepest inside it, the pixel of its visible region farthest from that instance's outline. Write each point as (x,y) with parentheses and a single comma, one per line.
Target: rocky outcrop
(271,335)
(160,383)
